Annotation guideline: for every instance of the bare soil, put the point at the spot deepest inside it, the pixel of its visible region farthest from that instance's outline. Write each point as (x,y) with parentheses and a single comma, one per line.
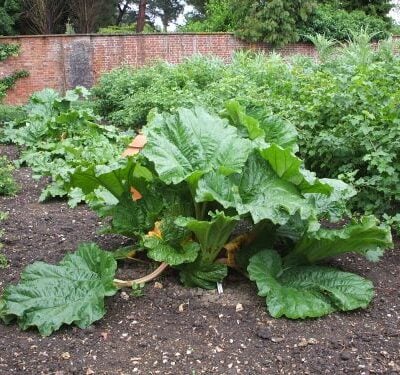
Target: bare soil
(175,330)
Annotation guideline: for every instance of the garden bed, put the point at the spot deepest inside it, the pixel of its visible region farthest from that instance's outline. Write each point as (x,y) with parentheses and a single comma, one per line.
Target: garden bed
(176,330)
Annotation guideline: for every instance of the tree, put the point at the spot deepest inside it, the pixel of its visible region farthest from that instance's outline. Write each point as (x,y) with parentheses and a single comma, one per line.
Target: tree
(9,13)
(44,16)
(88,15)
(198,5)
(124,8)
(275,21)
(378,8)
(141,20)
(167,10)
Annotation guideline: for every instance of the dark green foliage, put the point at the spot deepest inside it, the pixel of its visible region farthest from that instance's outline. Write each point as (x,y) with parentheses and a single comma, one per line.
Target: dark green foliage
(9,13)
(379,8)
(121,29)
(275,21)
(166,10)
(338,23)
(71,292)
(126,29)
(198,158)
(219,16)
(8,186)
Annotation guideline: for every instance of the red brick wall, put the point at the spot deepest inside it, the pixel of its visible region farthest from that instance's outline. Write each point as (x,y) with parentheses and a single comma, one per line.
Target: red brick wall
(64,61)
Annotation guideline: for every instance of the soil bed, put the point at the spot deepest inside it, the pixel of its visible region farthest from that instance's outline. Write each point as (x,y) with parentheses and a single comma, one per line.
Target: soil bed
(175,330)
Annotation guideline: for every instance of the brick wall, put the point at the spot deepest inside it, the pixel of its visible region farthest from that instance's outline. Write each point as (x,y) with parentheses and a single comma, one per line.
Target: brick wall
(65,61)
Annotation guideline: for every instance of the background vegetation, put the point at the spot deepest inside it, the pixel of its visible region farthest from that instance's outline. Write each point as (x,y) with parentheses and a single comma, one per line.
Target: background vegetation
(276,21)
(343,106)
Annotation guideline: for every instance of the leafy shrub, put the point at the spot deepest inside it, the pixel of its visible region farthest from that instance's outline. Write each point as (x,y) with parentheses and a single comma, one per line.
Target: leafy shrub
(350,124)
(219,17)
(338,23)
(8,186)
(125,96)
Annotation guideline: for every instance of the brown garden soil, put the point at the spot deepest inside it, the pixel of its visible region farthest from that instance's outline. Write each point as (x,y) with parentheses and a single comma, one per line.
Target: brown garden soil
(175,330)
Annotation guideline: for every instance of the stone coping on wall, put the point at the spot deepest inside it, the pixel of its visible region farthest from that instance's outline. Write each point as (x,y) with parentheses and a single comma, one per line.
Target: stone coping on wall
(110,34)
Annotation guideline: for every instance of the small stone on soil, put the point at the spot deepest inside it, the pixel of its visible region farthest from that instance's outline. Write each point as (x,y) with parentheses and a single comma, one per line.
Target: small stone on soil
(345,356)
(264,333)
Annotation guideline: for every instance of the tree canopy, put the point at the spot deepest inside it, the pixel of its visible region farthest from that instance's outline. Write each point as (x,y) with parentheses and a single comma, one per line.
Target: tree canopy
(9,13)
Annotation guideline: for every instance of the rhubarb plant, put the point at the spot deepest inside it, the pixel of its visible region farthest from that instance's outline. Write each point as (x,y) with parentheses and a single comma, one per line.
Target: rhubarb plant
(209,192)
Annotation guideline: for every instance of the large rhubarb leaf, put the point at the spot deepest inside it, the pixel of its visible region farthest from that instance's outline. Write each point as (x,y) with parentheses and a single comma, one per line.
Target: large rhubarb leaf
(191,143)
(71,292)
(212,235)
(115,177)
(132,218)
(258,191)
(289,167)
(162,251)
(306,291)
(202,275)
(333,207)
(256,124)
(247,125)
(276,129)
(364,237)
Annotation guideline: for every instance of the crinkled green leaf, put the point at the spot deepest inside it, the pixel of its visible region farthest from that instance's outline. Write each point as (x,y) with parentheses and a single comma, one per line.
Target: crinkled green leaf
(212,235)
(258,191)
(115,177)
(201,275)
(247,125)
(71,292)
(306,291)
(289,167)
(161,251)
(359,237)
(132,218)
(192,143)
(333,207)
(75,196)
(276,129)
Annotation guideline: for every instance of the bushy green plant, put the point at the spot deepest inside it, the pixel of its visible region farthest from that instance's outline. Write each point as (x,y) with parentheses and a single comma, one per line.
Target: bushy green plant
(125,96)
(219,17)
(8,186)
(338,23)
(350,123)
(59,134)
